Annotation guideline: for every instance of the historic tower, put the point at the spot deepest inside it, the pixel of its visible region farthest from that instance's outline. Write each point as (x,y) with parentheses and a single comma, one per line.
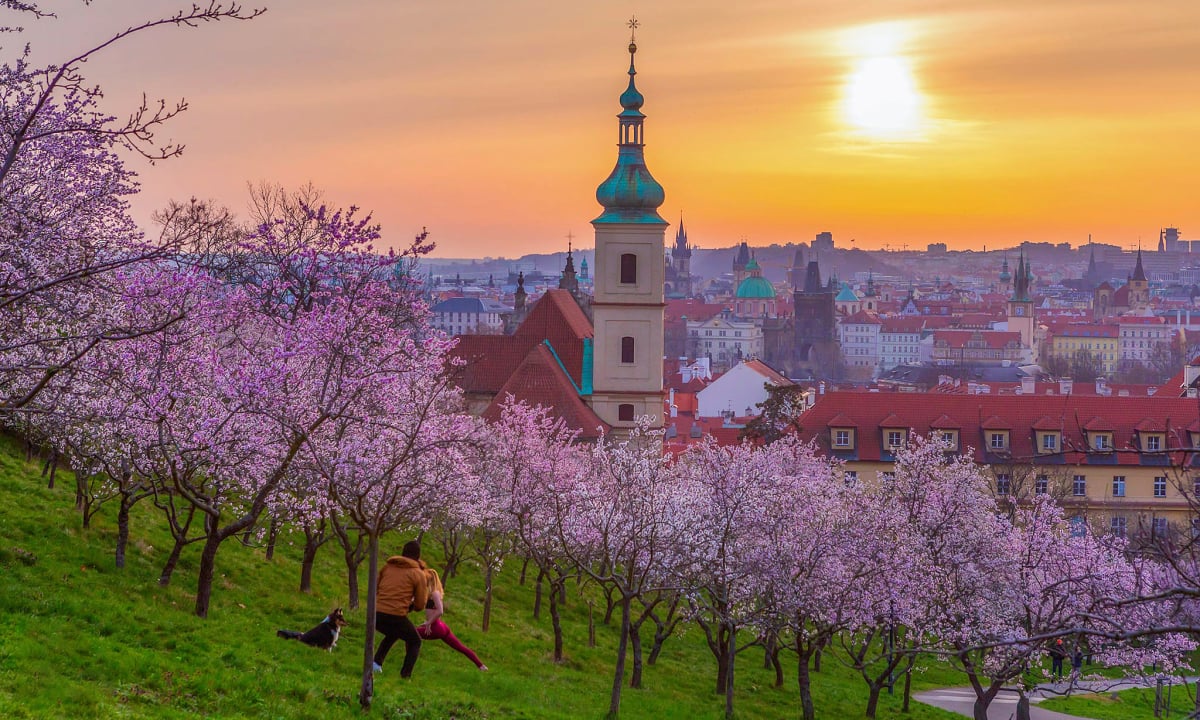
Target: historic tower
(1020,305)
(630,271)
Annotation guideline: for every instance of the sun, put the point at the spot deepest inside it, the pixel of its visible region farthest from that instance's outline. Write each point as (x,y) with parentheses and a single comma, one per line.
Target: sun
(881,99)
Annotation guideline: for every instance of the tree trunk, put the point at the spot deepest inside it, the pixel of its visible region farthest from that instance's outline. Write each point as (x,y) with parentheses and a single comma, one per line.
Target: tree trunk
(1022,706)
(729,676)
(524,568)
(778,667)
(805,652)
(208,567)
(556,622)
(164,577)
(537,596)
(873,699)
(635,640)
(272,536)
(122,529)
(368,675)
(907,688)
(52,463)
(592,624)
(307,559)
(614,705)
(487,597)
(721,652)
(817,656)
(610,603)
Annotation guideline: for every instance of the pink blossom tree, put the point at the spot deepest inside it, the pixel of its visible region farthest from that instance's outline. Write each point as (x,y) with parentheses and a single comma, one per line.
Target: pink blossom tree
(622,523)
(64,222)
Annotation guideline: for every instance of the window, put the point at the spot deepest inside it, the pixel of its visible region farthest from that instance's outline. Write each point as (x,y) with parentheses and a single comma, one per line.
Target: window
(1118,525)
(1118,486)
(1049,442)
(627,349)
(1159,527)
(887,476)
(1101,442)
(1160,486)
(996,441)
(625,412)
(851,478)
(1078,526)
(1153,443)
(895,438)
(950,439)
(1079,486)
(1041,485)
(628,269)
(1003,484)
(1196,486)
(841,438)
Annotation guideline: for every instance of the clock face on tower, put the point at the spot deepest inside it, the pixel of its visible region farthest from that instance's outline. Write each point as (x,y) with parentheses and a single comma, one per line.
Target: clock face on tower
(1020,310)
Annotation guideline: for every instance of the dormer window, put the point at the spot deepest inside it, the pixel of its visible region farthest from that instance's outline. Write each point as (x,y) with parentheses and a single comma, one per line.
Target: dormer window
(1152,442)
(843,438)
(949,437)
(997,440)
(1102,442)
(894,439)
(1048,442)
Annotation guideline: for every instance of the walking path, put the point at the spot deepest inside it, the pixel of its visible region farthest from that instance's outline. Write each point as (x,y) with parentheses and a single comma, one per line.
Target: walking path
(961,700)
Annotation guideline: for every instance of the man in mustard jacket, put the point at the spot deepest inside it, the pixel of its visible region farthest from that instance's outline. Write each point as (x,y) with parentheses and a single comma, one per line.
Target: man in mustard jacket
(402,588)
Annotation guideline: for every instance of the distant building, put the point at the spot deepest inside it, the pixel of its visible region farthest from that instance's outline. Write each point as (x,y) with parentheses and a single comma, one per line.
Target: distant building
(725,339)
(478,316)
(823,242)
(814,324)
(1109,464)
(738,392)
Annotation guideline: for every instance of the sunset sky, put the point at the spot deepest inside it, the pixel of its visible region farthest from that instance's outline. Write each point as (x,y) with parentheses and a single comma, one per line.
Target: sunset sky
(892,123)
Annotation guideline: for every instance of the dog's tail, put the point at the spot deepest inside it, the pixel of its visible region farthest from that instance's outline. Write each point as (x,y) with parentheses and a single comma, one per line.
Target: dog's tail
(288,634)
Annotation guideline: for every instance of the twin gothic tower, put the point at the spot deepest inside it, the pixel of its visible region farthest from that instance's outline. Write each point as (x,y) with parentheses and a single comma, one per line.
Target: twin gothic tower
(627,310)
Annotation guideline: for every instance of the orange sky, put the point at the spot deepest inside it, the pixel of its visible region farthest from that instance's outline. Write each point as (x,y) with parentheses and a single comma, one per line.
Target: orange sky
(893,122)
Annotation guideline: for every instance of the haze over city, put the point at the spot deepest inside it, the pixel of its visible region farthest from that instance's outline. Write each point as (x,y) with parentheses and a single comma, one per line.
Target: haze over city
(897,123)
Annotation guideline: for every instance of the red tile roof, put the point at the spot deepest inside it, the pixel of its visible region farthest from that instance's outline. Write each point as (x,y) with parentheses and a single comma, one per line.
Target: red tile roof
(1074,414)
(993,339)
(492,359)
(539,380)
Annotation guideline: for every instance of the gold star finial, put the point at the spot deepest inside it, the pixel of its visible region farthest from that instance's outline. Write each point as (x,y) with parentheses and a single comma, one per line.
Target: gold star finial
(633,25)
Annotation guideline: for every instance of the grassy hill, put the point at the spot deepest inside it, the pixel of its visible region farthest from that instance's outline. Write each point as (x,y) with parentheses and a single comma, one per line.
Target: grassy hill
(79,638)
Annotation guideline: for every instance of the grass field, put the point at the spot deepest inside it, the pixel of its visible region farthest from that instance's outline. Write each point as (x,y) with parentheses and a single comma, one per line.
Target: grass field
(1135,704)
(81,639)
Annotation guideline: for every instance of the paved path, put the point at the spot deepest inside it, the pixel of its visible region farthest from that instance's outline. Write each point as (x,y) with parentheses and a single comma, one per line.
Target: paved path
(961,700)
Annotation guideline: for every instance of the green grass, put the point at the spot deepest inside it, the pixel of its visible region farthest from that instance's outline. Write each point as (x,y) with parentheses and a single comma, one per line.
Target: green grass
(79,638)
(1136,704)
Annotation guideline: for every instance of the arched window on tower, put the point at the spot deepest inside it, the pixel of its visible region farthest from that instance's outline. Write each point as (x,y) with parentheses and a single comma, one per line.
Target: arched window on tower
(628,269)
(627,349)
(625,412)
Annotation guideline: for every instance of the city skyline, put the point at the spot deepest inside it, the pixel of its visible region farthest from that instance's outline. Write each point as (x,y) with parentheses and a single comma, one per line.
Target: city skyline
(975,124)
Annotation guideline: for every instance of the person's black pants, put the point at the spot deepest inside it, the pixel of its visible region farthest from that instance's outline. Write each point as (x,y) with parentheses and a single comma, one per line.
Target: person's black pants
(1056,665)
(397,627)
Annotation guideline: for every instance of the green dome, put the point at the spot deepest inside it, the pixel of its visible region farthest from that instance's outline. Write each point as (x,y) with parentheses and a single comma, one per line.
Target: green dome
(756,287)
(846,294)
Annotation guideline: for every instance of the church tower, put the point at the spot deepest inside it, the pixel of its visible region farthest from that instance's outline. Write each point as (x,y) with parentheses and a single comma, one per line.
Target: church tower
(629,275)
(1020,305)
(681,258)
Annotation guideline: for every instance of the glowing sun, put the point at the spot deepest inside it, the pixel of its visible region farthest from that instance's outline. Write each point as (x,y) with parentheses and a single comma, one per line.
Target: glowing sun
(881,99)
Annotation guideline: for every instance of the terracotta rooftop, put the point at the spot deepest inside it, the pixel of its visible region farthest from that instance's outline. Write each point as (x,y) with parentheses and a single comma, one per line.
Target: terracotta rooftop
(1074,415)
(539,380)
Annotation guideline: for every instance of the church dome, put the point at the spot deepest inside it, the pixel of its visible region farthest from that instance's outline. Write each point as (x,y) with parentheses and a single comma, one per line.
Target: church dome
(846,294)
(630,194)
(756,287)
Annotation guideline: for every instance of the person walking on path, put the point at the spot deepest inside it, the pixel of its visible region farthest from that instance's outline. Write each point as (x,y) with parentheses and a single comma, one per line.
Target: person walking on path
(434,628)
(402,588)
(1077,664)
(1057,654)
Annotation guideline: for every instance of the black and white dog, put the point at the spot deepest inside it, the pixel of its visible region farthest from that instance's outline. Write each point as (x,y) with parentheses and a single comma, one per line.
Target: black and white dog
(324,635)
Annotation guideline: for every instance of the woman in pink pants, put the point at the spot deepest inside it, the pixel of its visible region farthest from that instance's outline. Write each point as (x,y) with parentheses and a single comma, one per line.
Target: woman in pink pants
(434,628)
